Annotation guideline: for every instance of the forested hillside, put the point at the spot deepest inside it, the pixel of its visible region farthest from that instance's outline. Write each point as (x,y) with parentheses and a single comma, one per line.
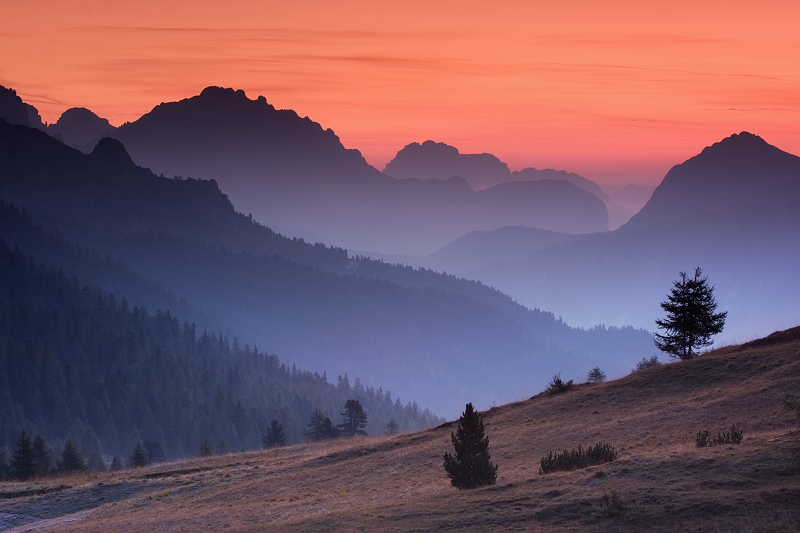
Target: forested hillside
(76,362)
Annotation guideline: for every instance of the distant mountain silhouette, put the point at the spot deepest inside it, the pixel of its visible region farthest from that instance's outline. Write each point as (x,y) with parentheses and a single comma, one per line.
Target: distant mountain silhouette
(290,172)
(617,214)
(432,160)
(14,111)
(313,305)
(732,209)
(80,128)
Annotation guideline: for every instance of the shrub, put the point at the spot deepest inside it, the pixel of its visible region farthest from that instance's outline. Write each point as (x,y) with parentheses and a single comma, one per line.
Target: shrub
(732,436)
(612,504)
(557,385)
(647,363)
(576,459)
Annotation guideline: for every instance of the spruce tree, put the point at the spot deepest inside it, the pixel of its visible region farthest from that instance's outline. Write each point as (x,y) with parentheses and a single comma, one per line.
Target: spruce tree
(3,464)
(205,448)
(72,459)
(275,436)
(392,427)
(138,458)
(43,463)
(23,461)
(471,465)
(315,429)
(691,319)
(596,375)
(354,419)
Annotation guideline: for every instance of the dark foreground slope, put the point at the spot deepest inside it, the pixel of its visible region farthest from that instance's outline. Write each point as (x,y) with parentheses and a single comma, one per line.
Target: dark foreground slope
(426,336)
(398,483)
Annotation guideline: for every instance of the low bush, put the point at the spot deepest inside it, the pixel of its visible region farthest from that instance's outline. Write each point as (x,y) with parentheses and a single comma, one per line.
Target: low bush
(612,504)
(576,459)
(557,385)
(647,363)
(732,436)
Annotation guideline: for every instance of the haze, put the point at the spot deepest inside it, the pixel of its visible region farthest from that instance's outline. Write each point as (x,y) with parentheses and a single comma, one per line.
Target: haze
(617,93)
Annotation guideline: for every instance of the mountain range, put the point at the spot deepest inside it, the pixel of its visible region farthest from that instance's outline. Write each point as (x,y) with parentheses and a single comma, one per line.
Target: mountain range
(732,210)
(290,173)
(312,305)
(432,160)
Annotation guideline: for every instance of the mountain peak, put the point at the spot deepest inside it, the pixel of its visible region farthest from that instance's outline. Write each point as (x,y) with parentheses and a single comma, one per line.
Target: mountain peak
(111,154)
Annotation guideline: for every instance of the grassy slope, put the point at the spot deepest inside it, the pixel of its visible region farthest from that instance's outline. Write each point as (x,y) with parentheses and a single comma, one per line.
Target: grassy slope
(398,483)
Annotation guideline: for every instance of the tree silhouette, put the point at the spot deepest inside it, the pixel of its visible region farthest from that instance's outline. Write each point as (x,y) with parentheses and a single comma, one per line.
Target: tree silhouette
(596,375)
(691,319)
(43,463)
(471,465)
(205,448)
(354,419)
(275,435)
(72,459)
(138,457)
(23,461)
(392,427)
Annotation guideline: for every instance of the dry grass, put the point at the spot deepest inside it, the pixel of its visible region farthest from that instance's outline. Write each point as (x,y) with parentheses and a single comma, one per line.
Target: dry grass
(661,481)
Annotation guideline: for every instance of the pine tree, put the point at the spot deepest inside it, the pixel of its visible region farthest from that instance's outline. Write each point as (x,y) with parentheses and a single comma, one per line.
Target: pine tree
(354,418)
(392,427)
(43,463)
(315,429)
(23,461)
(205,448)
(72,459)
(596,375)
(3,464)
(691,319)
(155,453)
(471,465)
(275,436)
(138,458)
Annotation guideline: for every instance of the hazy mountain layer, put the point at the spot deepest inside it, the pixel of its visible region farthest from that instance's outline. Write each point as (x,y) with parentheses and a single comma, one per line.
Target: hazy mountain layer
(732,210)
(426,336)
(432,160)
(290,172)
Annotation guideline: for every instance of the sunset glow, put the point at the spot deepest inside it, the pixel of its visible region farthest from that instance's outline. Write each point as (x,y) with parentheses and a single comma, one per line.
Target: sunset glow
(618,92)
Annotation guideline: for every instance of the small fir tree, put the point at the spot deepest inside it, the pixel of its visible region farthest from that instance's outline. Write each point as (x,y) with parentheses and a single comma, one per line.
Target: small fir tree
(155,452)
(43,463)
(205,448)
(3,464)
(354,419)
(275,436)
(71,459)
(222,447)
(315,429)
(647,363)
(691,318)
(138,458)
(23,461)
(471,465)
(392,427)
(596,375)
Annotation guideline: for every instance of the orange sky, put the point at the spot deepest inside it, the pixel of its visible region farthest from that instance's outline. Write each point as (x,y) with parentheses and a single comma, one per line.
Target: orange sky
(617,91)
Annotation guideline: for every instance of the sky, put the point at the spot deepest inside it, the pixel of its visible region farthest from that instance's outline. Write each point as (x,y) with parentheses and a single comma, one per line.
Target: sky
(618,91)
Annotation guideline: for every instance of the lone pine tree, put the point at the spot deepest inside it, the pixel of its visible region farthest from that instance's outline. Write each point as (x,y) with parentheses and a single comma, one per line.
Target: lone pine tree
(354,419)
(471,466)
(23,461)
(691,319)
(72,459)
(138,457)
(275,435)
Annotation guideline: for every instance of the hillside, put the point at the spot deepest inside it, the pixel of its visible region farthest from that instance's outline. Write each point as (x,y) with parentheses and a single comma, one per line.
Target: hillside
(398,483)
